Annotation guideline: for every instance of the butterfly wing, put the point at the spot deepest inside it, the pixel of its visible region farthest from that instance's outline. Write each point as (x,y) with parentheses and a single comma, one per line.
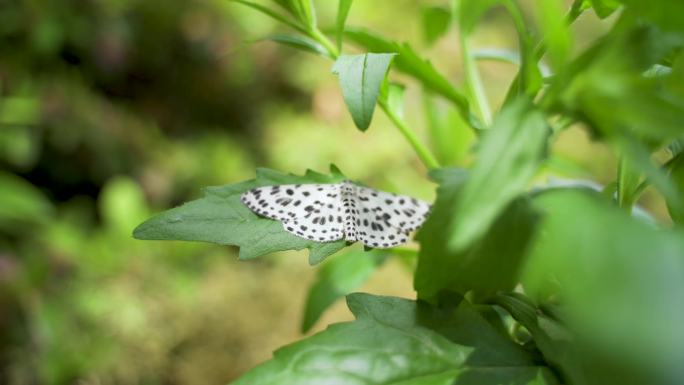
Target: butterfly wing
(311,211)
(385,219)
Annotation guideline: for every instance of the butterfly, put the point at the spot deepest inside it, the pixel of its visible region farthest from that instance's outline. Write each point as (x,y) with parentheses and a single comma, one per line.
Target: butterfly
(330,212)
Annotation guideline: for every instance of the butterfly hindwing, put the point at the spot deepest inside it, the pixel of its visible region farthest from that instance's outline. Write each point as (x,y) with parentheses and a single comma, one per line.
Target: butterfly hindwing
(385,219)
(311,211)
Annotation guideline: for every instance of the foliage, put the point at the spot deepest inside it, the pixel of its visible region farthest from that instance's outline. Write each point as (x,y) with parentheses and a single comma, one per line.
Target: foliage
(596,282)
(521,278)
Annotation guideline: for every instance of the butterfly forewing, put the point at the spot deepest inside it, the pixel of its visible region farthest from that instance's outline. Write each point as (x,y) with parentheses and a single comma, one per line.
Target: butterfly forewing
(312,211)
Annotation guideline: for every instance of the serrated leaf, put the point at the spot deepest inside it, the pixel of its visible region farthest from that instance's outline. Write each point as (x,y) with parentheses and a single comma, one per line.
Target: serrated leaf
(299,42)
(361,77)
(487,266)
(508,156)
(337,278)
(219,217)
(342,13)
(399,341)
(409,62)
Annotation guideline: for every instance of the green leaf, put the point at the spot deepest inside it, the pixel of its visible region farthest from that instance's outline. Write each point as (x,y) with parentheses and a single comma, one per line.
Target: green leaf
(552,338)
(603,8)
(337,278)
(21,203)
(393,94)
(470,12)
(627,183)
(399,341)
(272,14)
(436,21)
(342,12)
(491,264)
(449,133)
(508,156)
(611,73)
(556,32)
(303,10)
(219,217)
(409,62)
(299,42)
(675,203)
(621,281)
(361,77)
(19,111)
(667,15)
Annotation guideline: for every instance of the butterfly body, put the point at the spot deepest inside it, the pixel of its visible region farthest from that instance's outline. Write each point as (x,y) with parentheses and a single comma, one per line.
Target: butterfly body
(330,212)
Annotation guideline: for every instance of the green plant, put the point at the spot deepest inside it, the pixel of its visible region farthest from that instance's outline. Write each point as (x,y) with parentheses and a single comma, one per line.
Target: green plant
(560,284)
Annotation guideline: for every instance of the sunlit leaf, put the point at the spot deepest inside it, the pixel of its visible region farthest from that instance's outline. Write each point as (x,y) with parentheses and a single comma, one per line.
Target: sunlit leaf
(409,62)
(361,77)
(508,156)
(220,217)
(490,264)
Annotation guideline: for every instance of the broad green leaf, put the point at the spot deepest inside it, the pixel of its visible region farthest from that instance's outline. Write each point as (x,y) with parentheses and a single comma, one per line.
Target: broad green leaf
(621,280)
(274,15)
(361,77)
(299,42)
(508,156)
(488,265)
(21,203)
(220,217)
(409,62)
(399,341)
(552,338)
(337,278)
(435,21)
(343,7)
(556,32)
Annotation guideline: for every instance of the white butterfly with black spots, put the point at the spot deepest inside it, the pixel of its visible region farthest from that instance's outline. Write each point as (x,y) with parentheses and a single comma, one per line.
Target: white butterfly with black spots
(330,212)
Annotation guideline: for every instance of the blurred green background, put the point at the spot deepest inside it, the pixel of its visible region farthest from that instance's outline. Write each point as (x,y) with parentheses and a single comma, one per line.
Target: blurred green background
(113,110)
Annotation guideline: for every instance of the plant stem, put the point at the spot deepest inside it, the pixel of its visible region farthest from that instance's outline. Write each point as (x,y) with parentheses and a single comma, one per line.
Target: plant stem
(423,153)
(316,34)
(474,83)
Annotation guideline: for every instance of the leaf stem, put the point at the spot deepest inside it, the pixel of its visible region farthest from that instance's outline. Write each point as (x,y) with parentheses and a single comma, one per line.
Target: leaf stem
(423,153)
(474,83)
(316,34)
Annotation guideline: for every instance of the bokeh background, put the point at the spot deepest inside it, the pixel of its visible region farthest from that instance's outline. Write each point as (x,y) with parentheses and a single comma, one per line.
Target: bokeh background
(112,110)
